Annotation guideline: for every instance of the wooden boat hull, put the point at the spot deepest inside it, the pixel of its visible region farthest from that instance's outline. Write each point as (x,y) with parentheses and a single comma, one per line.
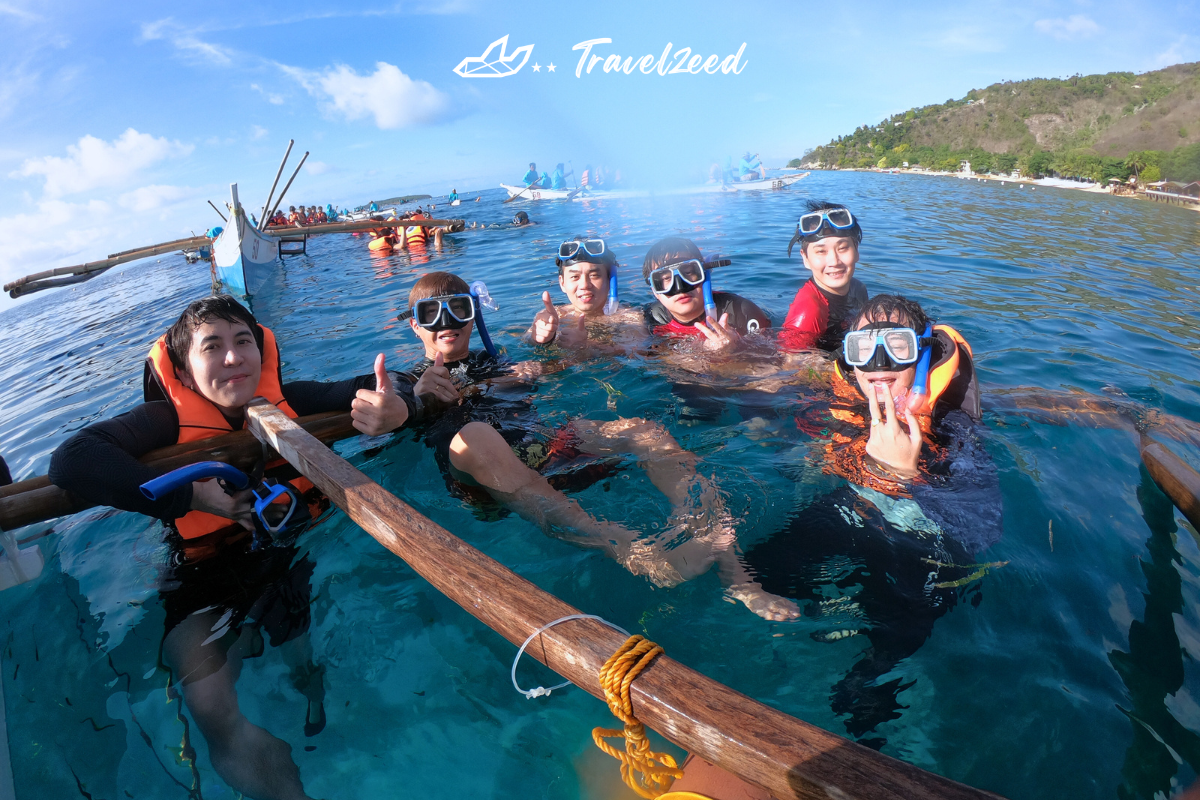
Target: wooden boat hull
(244,258)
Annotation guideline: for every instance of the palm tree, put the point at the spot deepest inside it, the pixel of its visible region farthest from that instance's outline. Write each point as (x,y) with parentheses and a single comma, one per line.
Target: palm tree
(1137,163)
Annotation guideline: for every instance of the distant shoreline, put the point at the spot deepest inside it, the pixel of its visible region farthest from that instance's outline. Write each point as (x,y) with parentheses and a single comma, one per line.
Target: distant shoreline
(1092,188)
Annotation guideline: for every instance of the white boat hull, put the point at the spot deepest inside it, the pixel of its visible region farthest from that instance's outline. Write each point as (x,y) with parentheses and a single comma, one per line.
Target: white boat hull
(245,259)
(538,194)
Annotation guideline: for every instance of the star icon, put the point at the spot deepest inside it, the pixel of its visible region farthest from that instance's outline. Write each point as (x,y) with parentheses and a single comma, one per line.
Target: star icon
(537,67)
(551,67)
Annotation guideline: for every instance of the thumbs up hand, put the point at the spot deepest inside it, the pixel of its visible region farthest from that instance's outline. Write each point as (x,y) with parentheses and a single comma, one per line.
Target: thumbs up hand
(379,410)
(545,323)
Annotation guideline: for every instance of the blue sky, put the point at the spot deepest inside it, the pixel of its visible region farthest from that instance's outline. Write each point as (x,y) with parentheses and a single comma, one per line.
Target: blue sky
(118,122)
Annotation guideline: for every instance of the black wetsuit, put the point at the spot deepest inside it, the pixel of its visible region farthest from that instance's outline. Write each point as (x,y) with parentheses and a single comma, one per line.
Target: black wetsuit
(509,409)
(745,317)
(870,569)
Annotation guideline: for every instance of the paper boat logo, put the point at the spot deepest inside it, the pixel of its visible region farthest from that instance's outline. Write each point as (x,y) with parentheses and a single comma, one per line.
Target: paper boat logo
(494,63)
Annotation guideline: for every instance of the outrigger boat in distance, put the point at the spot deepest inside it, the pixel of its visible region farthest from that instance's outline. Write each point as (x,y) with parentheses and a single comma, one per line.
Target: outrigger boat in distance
(528,193)
(591,193)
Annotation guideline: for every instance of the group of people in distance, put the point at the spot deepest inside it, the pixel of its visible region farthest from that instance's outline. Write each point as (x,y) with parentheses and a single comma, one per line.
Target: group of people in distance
(384,241)
(301,215)
(593,177)
(896,378)
(749,168)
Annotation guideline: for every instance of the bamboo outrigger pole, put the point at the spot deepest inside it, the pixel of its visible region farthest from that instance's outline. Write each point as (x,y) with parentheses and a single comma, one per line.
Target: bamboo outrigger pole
(288,186)
(780,753)
(262,218)
(82,272)
(1175,477)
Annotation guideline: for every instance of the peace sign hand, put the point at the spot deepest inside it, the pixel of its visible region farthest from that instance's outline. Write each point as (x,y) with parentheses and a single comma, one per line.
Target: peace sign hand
(718,335)
(890,445)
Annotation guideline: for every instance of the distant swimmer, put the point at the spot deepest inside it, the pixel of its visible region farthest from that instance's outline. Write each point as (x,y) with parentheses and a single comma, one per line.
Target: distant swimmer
(750,168)
(829,237)
(521,218)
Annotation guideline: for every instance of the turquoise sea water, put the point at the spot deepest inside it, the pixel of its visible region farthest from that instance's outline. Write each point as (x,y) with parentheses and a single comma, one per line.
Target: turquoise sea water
(1070,671)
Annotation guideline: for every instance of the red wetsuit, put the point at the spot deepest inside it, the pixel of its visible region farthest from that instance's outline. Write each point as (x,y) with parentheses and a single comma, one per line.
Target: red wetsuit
(818,319)
(744,317)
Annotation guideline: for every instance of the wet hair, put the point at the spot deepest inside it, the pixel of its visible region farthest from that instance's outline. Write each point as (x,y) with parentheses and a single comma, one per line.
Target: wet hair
(882,307)
(436,284)
(208,309)
(606,259)
(520,218)
(670,250)
(826,229)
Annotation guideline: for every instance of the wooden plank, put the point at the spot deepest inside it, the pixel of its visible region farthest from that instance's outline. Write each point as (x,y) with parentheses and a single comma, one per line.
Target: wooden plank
(782,754)
(36,499)
(1175,477)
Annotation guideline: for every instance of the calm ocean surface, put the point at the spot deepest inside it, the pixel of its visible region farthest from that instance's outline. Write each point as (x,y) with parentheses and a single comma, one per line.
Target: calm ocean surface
(1070,670)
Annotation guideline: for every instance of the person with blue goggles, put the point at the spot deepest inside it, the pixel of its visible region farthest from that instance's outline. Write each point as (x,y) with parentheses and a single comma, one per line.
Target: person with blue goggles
(587,275)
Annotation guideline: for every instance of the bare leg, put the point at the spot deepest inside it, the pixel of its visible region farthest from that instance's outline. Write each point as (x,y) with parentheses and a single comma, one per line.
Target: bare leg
(247,757)
(308,678)
(479,451)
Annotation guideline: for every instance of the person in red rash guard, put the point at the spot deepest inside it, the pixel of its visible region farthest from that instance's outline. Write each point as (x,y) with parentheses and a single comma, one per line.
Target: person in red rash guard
(829,236)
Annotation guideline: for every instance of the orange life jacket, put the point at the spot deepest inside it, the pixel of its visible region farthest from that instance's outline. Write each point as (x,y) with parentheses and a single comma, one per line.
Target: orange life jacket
(414,234)
(200,419)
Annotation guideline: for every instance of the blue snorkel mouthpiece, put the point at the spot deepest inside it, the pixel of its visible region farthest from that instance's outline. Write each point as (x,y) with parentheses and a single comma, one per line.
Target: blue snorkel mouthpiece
(710,305)
(612,304)
(479,291)
(921,379)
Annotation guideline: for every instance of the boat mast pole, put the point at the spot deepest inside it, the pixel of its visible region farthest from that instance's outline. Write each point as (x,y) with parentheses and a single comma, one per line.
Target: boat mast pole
(289,183)
(262,220)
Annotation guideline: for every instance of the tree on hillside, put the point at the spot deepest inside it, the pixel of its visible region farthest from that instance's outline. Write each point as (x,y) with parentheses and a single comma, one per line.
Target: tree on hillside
(1137,163)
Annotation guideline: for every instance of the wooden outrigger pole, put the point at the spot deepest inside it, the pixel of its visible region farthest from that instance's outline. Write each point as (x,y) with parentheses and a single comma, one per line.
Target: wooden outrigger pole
(65,276)
(787,757)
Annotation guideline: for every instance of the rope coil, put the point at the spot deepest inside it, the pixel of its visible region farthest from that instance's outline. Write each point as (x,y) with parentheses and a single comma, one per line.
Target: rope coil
(657,770)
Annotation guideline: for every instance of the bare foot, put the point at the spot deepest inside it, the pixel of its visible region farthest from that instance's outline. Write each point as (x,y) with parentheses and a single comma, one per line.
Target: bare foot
(761,602)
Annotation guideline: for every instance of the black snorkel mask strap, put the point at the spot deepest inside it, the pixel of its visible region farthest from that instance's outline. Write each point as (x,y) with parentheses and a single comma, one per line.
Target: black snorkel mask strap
(796,237)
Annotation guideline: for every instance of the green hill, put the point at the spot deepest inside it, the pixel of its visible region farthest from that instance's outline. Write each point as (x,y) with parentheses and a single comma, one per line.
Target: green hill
(1084,126)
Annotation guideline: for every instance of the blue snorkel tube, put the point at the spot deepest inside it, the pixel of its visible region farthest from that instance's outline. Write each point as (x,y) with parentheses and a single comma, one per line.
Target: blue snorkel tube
(484,300)
(921,379)
(612,304)
(710,305)
(266,518)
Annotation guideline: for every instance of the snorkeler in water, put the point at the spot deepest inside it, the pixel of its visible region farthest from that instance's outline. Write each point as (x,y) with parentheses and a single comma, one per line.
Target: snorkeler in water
(685,304)
(484,437)
(226,581)
(910,498)
(829,237)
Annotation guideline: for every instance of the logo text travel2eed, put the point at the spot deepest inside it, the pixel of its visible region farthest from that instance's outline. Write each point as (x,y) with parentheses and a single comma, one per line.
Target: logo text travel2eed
(496,62)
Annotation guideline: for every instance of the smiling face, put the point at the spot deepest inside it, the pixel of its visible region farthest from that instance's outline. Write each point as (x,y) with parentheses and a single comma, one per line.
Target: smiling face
(899,382)
(224,364)
(454,345)
(586,287)
(831,261)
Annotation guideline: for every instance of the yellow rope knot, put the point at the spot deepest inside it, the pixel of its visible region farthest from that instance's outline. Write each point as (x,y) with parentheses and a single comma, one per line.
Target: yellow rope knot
(658,770)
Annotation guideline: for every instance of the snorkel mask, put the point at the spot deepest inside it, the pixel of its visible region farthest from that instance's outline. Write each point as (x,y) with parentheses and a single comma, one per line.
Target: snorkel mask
(592,251)
(279,511)
(684,276)
(816,225)
(885,347)
(453,312)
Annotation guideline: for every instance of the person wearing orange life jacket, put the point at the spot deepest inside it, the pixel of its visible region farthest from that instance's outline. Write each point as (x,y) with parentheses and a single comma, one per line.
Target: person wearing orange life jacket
(198,379)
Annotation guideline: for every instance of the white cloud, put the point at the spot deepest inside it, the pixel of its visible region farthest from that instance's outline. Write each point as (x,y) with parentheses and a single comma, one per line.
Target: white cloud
(316,167)
(391,97)
(19,13)
(257,132)
(38,240)
(273,99)
(95,163)
(1177,53)
(1076,26)
(154,197)
(186,42)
